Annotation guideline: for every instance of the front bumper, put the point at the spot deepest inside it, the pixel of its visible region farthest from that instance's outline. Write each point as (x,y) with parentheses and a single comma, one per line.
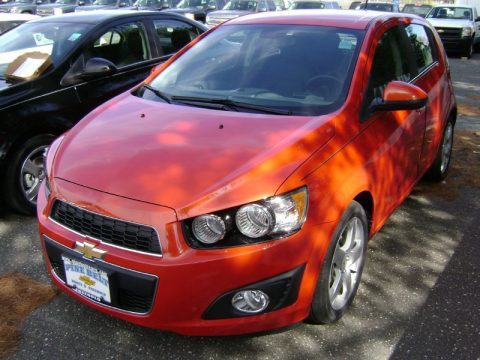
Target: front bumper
(183,283)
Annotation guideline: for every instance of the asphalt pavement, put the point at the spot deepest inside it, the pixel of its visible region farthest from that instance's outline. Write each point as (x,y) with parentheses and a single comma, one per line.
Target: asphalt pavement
(419,297)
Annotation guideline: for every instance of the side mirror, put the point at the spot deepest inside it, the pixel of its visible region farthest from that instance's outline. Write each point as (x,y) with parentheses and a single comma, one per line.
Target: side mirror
(81,3)
(39,2)
(399,95)
(211,7)
(122,4)
(165,6)
(96,67)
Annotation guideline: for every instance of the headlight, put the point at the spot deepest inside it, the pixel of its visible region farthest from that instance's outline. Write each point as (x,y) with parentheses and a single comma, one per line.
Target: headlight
(264,220)
(467,32)
(48,191)
(58,11)
(190,16)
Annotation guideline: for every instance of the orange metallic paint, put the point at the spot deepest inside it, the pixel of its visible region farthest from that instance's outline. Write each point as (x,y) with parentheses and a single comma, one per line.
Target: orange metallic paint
(161,163)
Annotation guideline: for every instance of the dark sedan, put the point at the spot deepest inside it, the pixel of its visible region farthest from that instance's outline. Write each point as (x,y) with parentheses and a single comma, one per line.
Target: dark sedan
(55,70)
(198,9)
(60,7)
(236,8)
(23,6)
(104,5)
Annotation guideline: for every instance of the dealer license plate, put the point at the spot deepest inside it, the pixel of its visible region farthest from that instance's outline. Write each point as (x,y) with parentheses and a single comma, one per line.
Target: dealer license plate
(87,280)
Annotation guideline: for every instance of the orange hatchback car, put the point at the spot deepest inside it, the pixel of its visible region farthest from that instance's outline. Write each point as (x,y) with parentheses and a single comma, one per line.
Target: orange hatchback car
(234,190)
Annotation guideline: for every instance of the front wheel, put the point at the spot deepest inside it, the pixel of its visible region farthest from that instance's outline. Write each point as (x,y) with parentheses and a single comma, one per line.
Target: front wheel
(439,169)
(342,269)
(25,172)
(468,53)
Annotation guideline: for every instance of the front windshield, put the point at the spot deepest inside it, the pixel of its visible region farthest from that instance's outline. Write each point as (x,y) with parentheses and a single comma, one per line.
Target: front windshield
(307,5)
(450,12)
(304,70)
(199,4)
(105,2)
(48,40)
(243,5)
(65,2)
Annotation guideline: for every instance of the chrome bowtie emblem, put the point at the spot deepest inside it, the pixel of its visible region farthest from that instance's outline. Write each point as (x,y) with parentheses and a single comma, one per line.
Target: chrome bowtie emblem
(89,250)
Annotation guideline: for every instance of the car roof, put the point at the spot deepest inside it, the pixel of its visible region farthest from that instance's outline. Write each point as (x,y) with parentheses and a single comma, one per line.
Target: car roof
(95,17)
(352,19)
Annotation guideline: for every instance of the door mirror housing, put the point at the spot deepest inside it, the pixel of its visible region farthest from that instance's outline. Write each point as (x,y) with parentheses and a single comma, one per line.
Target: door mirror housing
(399,95)
(211,7)
(81,3)
(96,67)
(165,6)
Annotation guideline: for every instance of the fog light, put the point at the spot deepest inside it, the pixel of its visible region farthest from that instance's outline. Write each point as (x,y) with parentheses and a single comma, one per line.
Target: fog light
(250,301)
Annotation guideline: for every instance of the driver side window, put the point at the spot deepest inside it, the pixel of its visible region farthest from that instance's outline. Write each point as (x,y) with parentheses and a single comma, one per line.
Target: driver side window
(123,45)
(392,61)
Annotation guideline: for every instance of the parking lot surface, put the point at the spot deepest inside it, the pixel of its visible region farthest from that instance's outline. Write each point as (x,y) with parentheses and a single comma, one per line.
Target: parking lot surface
(419,295)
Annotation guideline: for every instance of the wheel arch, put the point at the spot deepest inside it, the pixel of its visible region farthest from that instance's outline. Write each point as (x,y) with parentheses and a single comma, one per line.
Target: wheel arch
(365,199)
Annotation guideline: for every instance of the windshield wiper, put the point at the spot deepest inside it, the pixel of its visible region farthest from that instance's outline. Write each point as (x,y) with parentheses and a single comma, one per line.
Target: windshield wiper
(231,103)
(158,93)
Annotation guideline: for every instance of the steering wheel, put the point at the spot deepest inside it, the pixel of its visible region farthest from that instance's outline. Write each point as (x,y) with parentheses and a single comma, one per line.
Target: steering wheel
(326,86)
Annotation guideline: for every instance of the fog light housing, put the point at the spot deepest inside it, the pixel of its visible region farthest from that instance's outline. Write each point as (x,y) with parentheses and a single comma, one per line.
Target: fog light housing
(250,301)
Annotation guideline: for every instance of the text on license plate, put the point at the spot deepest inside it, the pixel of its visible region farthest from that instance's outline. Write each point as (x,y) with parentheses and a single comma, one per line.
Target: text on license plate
(87,280)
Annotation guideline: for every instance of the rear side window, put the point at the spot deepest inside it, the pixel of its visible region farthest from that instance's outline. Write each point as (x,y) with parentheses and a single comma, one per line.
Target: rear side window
(173,34)
(423,47)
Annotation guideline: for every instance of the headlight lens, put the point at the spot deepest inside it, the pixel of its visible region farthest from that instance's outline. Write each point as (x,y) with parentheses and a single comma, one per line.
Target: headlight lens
(208,228)
(268,219)
(254,220)
(467,31)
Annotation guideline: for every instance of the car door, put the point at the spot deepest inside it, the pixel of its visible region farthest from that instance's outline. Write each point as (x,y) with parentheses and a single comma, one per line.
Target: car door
(126,45)
(432,79)
(399,134)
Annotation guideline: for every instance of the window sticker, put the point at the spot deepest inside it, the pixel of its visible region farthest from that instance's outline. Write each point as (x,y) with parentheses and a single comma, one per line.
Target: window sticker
(74,37)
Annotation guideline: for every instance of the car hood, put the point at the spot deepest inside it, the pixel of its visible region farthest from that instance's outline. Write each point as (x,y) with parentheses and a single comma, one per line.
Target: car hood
(15,5)
(227,14)
(450,23)
(193,160)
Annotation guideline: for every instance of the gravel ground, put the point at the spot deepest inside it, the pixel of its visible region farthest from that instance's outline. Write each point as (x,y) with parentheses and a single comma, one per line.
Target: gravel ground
(419,296)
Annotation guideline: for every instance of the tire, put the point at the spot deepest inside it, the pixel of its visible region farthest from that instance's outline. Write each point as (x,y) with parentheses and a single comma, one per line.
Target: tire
(470,50)
(25,171)
(340,276)
(439,169)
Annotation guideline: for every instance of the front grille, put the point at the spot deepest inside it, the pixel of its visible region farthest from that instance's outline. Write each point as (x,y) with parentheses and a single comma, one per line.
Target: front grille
(449,33)
(44,12)
(105,229)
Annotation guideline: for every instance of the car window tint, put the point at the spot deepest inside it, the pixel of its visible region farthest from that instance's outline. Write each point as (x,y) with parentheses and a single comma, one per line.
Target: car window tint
(422,47)
(123,45)
(392,61)
(173,34)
